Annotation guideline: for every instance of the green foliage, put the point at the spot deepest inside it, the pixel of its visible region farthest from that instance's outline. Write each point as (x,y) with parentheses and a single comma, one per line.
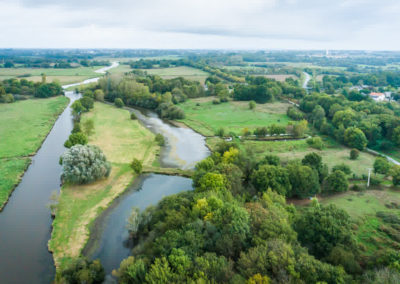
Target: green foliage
(252,104)
(119,103)
(342,167)
(304,180)
(295,113)
(395,173)
(314,161)
(355,138)
(315,142)
(77,107)
(274,177)
(354,153)
(220,132)
(81,270)
(84,164)
(160,139)
(381,166)
(275,258)
(212,181)
(48,90)
(76,138)
(337,182)
(131,270)
(87,103)
(133,116)
(321,228)
(270,160)
(136,165)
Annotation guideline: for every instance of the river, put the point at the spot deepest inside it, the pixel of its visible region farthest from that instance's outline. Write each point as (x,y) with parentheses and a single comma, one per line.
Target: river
(25,221)
(109,240)
(306,80)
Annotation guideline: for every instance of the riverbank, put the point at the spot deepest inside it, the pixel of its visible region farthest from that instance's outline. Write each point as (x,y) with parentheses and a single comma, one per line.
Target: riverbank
(24,127)
(121,140)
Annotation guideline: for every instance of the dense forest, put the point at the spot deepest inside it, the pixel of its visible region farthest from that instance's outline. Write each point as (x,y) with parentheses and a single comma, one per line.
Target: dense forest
(236,226)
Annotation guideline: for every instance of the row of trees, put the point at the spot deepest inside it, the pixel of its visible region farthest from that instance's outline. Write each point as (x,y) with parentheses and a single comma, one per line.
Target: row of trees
(14,89)
(136,91)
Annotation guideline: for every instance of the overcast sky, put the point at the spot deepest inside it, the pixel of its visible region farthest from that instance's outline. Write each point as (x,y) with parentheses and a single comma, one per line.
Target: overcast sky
(233,24)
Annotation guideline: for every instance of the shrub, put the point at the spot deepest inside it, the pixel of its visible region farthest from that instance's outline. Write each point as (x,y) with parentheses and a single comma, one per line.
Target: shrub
(119,103)
(84,164)
(315,142)
(252,104)
(220,132)
(133,116)
(381,165)
(75,139)
(160,139)
(216,101)
(354,153)
(337,182)
(136,165)
(342,167)
(87,103)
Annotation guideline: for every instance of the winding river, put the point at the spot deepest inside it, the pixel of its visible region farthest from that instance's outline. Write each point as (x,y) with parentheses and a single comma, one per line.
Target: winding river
(25,222)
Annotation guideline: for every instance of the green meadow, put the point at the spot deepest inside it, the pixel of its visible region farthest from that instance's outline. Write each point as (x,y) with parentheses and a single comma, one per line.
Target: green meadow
(24,126)
(205,117)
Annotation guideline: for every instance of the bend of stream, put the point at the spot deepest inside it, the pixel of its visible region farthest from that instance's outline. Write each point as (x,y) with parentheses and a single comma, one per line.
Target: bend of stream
(109,240)
(25,222)
(306,80)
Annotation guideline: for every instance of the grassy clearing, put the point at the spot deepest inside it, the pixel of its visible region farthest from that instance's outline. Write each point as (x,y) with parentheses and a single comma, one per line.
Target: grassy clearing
(206,118)
(24,125)
(182,71)
(371,231)
(121,139)
(333,153)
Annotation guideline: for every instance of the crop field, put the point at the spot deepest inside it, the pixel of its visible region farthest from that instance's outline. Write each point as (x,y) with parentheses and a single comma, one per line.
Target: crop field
(205,117)
(24,125)
(182,71)
(121,140)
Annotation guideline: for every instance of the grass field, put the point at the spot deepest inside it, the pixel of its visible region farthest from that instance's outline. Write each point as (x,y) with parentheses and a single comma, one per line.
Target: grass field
(24,125)
(182,71)
(372,232)
(121,140)
(120,69)
(64,76)
(332,154)
(206,118)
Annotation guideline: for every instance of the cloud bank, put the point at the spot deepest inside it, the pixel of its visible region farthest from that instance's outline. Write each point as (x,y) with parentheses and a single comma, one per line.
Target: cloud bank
(232,24)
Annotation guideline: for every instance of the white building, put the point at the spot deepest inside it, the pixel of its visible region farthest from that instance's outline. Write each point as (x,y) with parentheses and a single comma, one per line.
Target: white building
(378,97)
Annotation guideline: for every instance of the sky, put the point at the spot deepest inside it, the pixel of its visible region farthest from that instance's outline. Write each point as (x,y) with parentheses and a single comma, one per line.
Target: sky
(201,24)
